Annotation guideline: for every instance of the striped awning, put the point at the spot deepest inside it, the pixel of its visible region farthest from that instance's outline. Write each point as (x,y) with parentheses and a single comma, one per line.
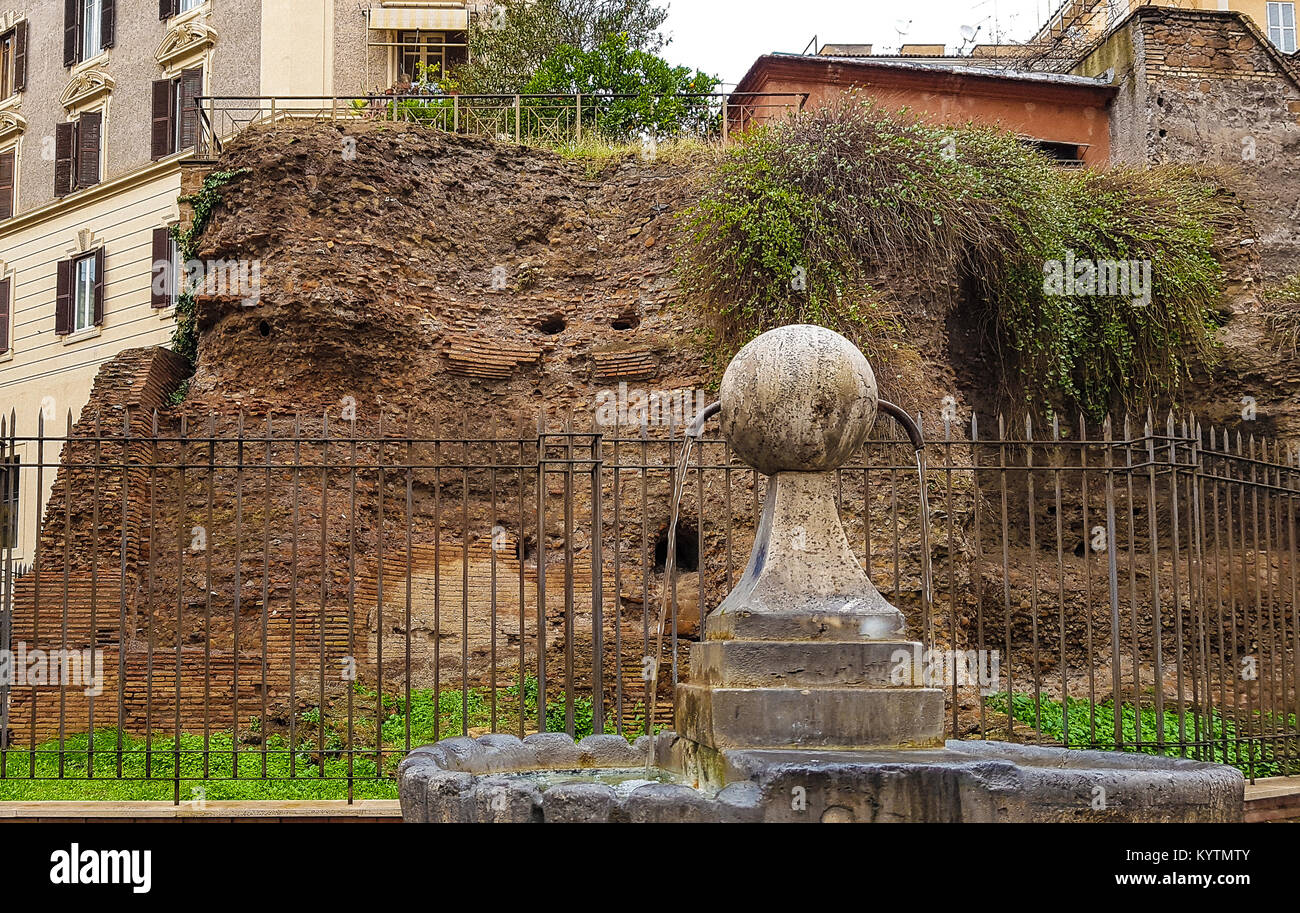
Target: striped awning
(439,18)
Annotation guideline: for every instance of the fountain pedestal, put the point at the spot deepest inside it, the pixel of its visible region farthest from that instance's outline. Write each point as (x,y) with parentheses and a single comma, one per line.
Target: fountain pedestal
(804,652)
(800,705)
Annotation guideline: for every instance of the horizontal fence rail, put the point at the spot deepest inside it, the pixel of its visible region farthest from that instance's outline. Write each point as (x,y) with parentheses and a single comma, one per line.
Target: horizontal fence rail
(286,599)
(543,120)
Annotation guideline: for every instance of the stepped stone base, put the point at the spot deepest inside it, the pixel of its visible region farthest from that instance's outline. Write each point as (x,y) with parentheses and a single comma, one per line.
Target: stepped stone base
(822,718)
(819,694)
(797,664)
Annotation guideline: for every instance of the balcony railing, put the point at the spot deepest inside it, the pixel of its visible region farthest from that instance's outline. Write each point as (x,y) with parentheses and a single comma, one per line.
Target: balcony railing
(541,120)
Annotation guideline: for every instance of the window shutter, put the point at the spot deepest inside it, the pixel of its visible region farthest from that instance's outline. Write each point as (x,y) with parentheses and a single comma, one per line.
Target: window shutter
(4,315)
(70,10)
(63,299)
(107,23)
(65,138)
(99,287)
(88,131)
(166,9)
(191,88)
(20,56)
(160,131)
(163,269)
(6,187)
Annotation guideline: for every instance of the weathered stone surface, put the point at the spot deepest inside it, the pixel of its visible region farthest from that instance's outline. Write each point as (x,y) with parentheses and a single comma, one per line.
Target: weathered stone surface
(579,803)
(607,751)
(464,753)
(962,782)
(554,750)
(505,800)
(810,718)
(798,399)
(802,580)
(800,664)
(506,752)
(990,782)
(448,798)
(664,803)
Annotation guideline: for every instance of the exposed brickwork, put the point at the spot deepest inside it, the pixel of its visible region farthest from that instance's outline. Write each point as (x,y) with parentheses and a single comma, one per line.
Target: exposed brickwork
(1207,86)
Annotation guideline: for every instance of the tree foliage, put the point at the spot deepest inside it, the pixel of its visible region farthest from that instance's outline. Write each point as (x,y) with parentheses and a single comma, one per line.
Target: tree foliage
(632,92)
(512,40)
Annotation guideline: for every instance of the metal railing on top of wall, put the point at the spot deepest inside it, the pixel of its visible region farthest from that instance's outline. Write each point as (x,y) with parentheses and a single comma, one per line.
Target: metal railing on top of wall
(530,119)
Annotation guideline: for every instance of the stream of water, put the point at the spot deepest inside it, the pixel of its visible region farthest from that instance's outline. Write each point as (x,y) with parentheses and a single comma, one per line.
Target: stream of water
(665,602)
(927,579)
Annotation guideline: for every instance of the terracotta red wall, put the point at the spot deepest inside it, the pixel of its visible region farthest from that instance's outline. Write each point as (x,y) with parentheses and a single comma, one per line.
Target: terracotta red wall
(1067,114)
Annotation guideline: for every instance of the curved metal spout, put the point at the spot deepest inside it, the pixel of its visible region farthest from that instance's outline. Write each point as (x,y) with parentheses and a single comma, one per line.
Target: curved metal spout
(909,424)
(697,427)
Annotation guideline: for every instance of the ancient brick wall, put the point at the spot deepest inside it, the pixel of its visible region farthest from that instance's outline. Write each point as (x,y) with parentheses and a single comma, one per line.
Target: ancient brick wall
(1204,86)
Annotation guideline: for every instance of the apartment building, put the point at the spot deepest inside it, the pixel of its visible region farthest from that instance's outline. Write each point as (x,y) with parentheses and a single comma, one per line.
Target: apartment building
(97,113)
(1090,19)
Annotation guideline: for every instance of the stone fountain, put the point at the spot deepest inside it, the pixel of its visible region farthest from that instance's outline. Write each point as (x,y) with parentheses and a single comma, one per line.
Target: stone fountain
(793,710)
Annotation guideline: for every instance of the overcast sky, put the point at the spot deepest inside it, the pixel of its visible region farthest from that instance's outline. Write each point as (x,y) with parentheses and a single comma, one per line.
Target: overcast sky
(724,37)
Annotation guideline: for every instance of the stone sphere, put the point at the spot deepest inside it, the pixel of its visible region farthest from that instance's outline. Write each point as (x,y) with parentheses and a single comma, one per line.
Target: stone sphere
(798,399)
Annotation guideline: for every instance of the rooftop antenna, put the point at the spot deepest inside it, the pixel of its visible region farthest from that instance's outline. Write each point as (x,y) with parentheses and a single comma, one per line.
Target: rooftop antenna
(968,35)
(902,27)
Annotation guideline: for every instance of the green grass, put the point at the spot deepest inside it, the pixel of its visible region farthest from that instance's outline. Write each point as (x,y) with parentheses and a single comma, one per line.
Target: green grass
(148,769)
(1259,760)
(596,153)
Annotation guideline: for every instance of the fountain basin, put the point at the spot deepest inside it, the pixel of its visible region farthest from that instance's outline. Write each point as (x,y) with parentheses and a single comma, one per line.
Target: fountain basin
(550,778)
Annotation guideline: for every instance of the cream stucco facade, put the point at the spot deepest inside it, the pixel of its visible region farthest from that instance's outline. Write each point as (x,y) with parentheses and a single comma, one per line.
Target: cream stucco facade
(245,48)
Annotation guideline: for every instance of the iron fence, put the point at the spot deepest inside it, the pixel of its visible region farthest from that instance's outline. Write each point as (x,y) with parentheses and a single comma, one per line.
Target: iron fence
(300,598)
(544,120)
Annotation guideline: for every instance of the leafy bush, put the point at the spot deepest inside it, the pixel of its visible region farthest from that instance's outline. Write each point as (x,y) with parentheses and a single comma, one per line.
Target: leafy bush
(795,222)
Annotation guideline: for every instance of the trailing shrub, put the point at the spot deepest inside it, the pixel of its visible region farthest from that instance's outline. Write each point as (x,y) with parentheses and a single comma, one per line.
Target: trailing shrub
(185,337)
(795,221)
(1282,314)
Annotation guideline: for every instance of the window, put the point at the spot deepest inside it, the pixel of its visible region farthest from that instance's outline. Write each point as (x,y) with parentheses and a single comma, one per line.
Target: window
(77,152)
(6,188)
(13,60)
(428,49)
(166,269)
(79,293)
(10,469)
(175,119)
(1281,26)
(5,285)
(169,8)
(88,27)
(83,294)
(92,13)
(6,64)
